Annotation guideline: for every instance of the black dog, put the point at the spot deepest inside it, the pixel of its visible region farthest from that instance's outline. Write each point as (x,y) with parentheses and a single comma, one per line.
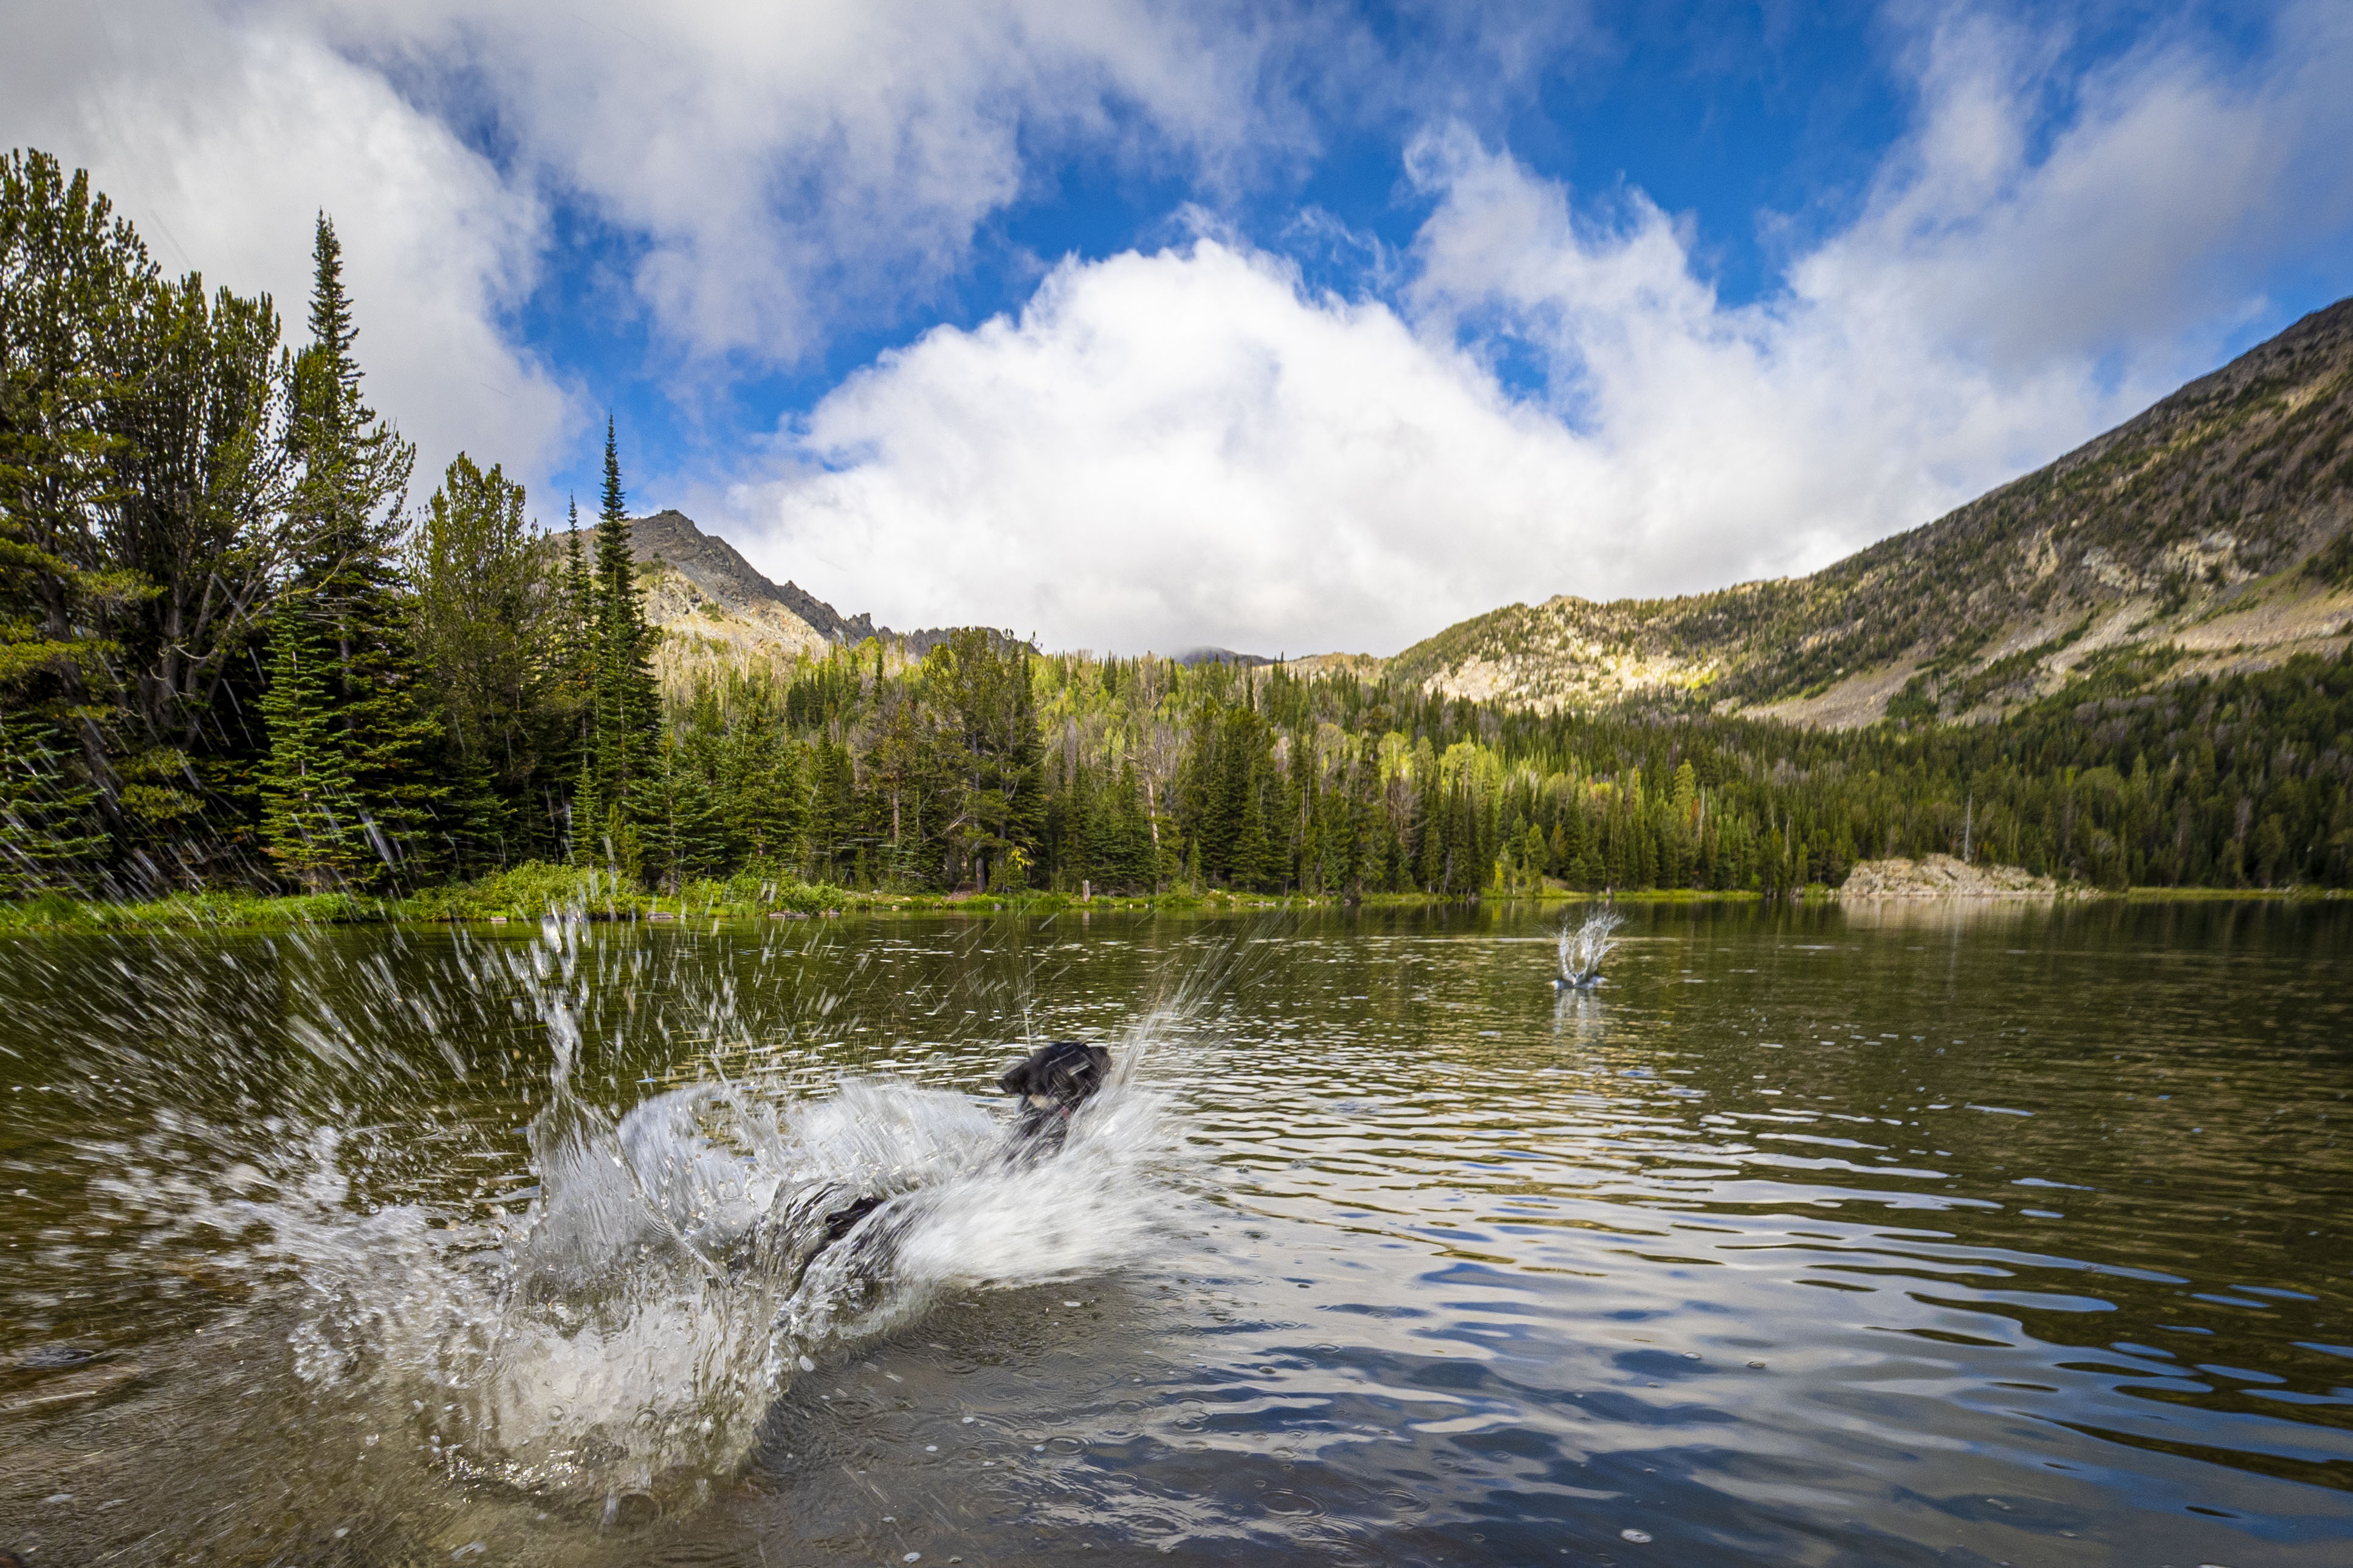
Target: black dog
(1051,1082)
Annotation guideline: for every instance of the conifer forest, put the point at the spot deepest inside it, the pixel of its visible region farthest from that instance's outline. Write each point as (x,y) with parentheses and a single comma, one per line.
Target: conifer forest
(238,649)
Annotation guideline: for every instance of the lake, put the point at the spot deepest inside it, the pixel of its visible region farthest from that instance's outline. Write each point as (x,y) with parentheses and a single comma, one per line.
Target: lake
(1893,1234)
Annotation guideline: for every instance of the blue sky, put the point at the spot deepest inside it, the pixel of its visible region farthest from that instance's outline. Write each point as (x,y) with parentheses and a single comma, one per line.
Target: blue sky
(1720,112)
(1143,324)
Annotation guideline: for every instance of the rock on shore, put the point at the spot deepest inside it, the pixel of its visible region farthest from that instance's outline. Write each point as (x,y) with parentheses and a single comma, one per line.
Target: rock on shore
(1942,876)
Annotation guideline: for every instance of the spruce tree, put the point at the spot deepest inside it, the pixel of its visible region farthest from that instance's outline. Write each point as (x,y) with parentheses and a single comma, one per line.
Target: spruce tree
(678,828)
(369,705)
(585,814)
(755,789)
(576,692)
(309,823)
(626,705)
(1138,866)
(579,594)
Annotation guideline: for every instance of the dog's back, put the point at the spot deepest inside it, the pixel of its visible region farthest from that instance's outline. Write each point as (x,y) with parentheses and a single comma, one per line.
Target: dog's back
(1051,1082)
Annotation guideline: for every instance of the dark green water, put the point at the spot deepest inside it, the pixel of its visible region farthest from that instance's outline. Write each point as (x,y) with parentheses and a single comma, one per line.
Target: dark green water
(1883,1237)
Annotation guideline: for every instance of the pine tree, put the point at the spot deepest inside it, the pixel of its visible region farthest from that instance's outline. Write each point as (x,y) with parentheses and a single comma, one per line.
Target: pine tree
(913,785)
(575,694)
(626,705)
(1249,849)
(678,828)
(50,832)
(370,708)
(832,811)
(585,814)
(579,594)
(72,277)
(309,824)
(983,682)
(1138,868)
(759,790)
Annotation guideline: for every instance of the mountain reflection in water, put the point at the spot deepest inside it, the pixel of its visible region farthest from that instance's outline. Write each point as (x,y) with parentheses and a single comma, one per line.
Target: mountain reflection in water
(1897,1235)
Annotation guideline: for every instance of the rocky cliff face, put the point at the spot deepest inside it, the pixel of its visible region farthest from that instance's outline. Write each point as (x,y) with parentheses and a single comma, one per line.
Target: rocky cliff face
(717,608)
(726,579)
(2178,540)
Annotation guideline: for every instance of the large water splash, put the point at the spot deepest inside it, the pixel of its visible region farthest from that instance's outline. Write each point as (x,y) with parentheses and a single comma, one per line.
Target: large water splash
(1582,951)
(614,1336)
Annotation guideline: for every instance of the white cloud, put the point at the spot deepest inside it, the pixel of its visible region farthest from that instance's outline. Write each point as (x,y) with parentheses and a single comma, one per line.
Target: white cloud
(765,171)
(222,143)
(1170,450)
(779,166)
(1187,448)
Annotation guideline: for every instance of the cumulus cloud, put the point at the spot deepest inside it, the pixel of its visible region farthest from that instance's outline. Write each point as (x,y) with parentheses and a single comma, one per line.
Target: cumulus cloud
(776,168)
(1189,446)
(758,175)
(223,143)
(1170,448)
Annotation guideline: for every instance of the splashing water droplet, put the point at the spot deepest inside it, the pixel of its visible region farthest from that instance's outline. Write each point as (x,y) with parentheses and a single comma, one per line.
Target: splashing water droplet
(611,1329)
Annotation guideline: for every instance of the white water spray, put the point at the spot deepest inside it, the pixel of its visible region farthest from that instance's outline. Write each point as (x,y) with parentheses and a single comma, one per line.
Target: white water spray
(1581,951)
(617,1340)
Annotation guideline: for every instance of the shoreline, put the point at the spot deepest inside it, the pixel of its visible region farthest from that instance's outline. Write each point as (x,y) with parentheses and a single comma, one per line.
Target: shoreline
(190,913)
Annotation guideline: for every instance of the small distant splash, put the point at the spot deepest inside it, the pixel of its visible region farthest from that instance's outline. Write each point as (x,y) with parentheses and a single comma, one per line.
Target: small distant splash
(615,1342)
(1582,951)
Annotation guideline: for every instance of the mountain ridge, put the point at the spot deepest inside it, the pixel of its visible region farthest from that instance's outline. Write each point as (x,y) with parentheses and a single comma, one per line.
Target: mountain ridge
(717,568)
(701,589)
(2175,538)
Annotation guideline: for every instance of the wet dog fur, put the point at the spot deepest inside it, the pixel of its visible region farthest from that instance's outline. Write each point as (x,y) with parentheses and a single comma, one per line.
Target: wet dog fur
(1050,1084)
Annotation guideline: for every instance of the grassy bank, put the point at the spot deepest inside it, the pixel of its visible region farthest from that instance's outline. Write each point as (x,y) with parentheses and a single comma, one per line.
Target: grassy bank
(528,893)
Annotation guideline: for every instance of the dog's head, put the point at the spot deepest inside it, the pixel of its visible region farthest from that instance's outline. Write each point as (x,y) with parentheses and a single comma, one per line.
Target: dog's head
(1057,1078)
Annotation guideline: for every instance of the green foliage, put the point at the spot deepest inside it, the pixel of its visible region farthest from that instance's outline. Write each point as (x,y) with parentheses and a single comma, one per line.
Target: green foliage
(531,891)
(194,911)
(310,824)
(625,712)
(492,632)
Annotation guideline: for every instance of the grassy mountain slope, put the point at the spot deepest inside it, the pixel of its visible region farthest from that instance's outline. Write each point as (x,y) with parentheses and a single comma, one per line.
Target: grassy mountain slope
(2213,532)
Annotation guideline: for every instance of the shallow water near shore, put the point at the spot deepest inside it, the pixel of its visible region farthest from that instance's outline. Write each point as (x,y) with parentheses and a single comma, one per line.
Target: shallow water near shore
(1892,1235)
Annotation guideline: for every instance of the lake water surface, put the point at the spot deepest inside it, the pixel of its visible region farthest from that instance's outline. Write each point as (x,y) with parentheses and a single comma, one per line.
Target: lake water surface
(1889,1236)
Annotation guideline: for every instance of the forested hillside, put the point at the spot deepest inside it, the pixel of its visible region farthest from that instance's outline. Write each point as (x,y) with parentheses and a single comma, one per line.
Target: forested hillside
(235,651)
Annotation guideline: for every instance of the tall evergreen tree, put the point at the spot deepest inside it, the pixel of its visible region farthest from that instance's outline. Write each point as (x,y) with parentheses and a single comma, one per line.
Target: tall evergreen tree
(982,681)
(583,814)
(579,594)
(372,706)
(626,703)
(677,823)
